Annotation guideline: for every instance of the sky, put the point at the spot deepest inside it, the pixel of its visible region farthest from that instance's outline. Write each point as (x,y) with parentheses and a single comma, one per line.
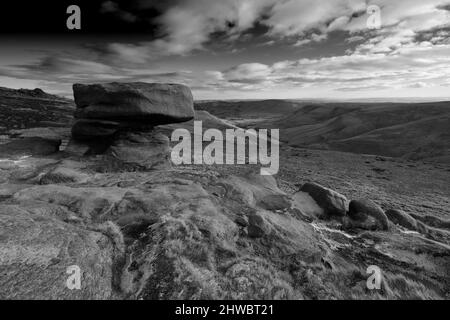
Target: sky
(234,49)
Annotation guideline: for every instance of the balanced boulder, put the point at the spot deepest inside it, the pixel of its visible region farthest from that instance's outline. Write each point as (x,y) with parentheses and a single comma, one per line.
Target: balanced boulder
(118,119)
(152,103)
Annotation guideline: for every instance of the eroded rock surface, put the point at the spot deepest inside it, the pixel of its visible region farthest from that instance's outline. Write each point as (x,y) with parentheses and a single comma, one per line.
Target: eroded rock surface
(37,250)
(195,233)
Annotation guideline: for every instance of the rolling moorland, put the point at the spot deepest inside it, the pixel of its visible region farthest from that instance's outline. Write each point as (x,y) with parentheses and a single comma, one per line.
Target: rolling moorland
(360,184)
(411,131)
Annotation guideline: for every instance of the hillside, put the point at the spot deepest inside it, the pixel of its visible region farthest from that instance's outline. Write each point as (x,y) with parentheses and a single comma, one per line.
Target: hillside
(20,109)
(415,131)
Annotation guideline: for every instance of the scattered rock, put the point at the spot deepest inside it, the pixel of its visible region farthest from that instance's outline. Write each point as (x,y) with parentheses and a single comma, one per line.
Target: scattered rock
(307,205)
(362,210)
(257,191)
(332,203)
(401,218)
(275,202)
(91,204)
(241,221)
(30,147)
(257,226)
(433,221)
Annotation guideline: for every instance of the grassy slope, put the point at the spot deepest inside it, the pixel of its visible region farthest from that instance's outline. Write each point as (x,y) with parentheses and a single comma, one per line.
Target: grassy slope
(415,131)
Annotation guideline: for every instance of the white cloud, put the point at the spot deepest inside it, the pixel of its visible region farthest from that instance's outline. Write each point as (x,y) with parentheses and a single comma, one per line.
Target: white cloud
(189,24)
(391,57)
(409,67)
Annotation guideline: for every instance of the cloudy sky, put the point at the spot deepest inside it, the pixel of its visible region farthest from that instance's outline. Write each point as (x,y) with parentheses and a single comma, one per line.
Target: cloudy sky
(235,49)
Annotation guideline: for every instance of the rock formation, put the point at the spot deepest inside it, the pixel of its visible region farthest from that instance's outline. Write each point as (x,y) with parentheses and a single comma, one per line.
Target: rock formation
(368,214)
(117,119)
(333,203)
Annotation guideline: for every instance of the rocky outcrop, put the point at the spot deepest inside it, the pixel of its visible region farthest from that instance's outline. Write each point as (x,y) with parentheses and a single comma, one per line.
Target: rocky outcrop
(39,254)
(401,218)
(332,203)
(29,147)
(33,141)
(368,215)
(117,119)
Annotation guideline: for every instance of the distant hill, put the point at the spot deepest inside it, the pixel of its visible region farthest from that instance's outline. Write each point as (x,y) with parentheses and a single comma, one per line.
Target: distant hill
(414,131)
(247,109)
(23,108)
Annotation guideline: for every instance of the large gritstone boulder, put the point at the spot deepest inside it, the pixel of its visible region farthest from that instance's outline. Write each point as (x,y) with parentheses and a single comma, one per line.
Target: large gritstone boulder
(368,215)
(118,119)
(332,203)
(152,103)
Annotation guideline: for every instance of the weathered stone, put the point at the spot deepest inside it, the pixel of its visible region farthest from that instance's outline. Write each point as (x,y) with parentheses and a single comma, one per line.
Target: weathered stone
(241,221)
(87,130)
(66,172)
(257,191)
(330,201)
(257,226)
(307,206)
(77,148)
(37,251)
(29,147)
(402,218)
(88,203)
(360,210)
(154,104)
(146,149)
(43,133)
